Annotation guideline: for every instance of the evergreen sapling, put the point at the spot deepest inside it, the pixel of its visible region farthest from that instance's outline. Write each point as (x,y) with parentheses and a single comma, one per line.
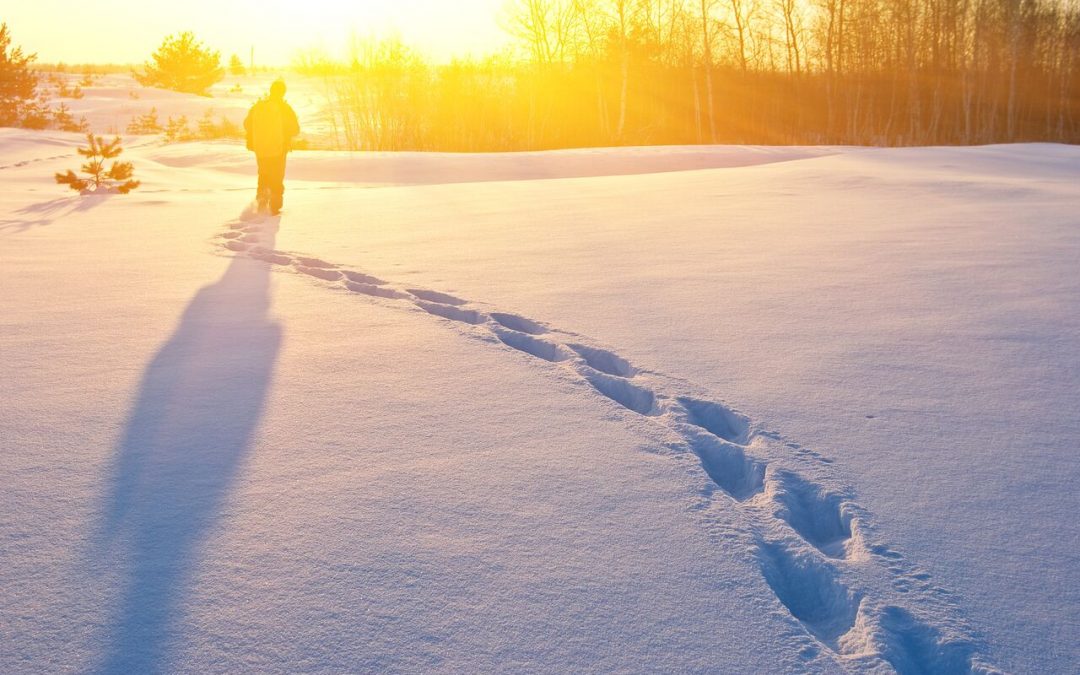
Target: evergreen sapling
(146,124)
(116,179)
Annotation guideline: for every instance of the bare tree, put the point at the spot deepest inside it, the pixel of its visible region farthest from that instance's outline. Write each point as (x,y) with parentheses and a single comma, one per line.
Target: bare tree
(791,16)
(742,13)
(591,72)
(708,35)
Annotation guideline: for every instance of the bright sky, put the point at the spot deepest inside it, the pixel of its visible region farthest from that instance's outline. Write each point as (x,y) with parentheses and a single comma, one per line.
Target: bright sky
(122,31)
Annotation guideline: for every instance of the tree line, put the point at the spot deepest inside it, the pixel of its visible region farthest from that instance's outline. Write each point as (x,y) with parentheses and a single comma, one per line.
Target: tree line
(646,72)
(635,72)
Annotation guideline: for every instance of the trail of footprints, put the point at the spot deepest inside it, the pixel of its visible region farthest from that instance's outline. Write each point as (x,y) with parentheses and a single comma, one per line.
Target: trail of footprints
(63,155)
(28,162)
(804,535)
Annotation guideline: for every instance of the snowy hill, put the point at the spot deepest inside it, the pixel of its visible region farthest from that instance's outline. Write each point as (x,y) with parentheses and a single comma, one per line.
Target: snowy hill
(666,409)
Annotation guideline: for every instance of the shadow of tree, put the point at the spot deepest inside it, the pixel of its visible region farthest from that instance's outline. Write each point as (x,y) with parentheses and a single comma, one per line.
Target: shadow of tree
(47,213)
(186,440)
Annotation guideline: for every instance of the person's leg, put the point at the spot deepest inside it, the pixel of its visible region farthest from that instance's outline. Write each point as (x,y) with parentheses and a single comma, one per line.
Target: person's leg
(277,184)
(262,194)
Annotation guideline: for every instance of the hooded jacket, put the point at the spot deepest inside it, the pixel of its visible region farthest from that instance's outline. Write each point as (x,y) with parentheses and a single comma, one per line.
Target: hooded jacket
(271,125)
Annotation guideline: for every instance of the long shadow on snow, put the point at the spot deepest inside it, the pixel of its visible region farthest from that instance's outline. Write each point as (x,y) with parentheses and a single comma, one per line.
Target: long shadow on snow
(47,213)
(190,430)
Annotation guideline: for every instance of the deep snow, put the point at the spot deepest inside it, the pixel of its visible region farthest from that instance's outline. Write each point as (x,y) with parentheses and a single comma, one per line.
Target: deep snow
(809,412)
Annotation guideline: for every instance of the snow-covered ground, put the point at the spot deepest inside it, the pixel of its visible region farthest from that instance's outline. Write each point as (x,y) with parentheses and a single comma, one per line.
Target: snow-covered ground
(670,409)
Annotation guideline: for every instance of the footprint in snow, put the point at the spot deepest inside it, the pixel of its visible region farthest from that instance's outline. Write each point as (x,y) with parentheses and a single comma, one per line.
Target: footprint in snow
(630,396)
(811,591)
(271,257)
(727,464)
(604,361)
(435,296)
(518,323)
(716,419)
(314,263)
(912,647)
(361,278)
(319,272)
(814,513)
(453,313)
(373,291)
(541,349)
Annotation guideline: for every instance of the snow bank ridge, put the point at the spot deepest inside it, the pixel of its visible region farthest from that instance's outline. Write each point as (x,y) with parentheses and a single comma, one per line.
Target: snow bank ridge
(811,542)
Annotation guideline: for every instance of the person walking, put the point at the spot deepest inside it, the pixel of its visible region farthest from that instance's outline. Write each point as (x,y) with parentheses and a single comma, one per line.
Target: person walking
(271,125)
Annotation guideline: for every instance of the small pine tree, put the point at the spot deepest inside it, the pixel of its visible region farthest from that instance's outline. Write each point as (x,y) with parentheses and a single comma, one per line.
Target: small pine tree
(229,129)
(62,116)
(87,79)
(210,129)
(35,113)
(146,124)
(207,128)
(177,129)
(118,178)
(18,83)
(183,64)
(236,66)
(65,121)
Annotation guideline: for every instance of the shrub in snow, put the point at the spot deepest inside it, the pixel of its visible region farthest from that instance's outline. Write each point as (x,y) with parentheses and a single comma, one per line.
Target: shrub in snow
(64,91)
(117,179)
(35,114)
(177,129)
(65,121)
(236,66)
(207,128)
(211,129)
(182,64)
(146,124)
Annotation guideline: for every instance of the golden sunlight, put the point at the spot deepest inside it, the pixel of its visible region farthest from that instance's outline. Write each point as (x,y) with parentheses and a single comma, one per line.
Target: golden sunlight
(501,75)
(275,29)
(553,336)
